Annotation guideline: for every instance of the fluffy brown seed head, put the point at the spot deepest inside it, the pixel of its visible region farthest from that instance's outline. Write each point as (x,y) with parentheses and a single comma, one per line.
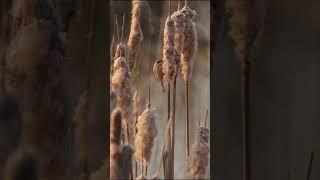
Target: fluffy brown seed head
(189,13)
(179,25)
(126,158)
(199,157)
(138,103)
(238,25)
(189,50)
(157,70)
(136,34)
(169,62)
(115,137)
(122,86)
(147,132)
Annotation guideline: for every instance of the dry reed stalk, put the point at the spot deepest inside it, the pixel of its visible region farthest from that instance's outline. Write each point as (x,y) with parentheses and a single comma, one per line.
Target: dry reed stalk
(22,165)
(122,86)
(158,72)
(199,157)
(38,69)
(136,34)
(115,144)
(239,32)
(81,119)
(310,166)
(145,137)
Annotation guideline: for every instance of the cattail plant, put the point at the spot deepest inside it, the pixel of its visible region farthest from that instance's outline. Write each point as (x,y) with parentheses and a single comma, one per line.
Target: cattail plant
(187,54)
(22,165)
(122,85)
(136,35)
(240,29)
(115,144)
(34,74)
(138,107)
(145,137)
(199,157)
(126,158)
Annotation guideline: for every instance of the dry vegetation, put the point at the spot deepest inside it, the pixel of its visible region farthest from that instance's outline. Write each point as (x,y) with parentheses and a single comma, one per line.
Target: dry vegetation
(179,85)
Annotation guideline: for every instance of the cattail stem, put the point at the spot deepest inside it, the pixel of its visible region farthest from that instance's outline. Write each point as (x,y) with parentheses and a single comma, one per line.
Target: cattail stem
(205,122)
(187,118)
(117,27)
(123,19)
(173,120)
(245,109)
(310,165)
(149,97)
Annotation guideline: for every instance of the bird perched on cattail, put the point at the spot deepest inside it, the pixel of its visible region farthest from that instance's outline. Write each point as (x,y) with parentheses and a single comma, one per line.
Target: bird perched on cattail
(157,70)
(169,61)
(115,146)
(199,157)
(136,35)
(122,86)
(190,42)
(145,137)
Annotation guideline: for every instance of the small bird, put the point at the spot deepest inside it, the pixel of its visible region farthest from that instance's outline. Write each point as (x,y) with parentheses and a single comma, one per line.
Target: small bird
(157,70)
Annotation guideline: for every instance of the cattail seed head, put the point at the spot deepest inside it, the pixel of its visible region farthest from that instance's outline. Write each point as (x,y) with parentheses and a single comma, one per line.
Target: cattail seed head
(238,22)
(199,157)
(126,157)
(147,132)
(179,25)
(138,103)
(169,62)
(190,44)
(122,86)
(157,70)
(115,138)
(113,100)
(136,34)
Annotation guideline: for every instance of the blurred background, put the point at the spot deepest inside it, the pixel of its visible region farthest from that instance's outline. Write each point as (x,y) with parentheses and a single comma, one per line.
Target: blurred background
(153,16)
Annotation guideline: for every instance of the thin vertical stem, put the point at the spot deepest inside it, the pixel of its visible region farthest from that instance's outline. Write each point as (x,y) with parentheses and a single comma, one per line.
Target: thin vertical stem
(149,91)
(187,118)
(310,165)
(117,27)
(205,122)
(123,19)
(245,109)
(173,120)
(169,7)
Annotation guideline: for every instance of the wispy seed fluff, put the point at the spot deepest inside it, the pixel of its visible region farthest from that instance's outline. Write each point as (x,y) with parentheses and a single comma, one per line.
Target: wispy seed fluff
(147,132)
(136,34)
(238,22)
(115,151)
(190,43)
(122,86)
(169,62)
(199,157)
(157,70)
(120,51)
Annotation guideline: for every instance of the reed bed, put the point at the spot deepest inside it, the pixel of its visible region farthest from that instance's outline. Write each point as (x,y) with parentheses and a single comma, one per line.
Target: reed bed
(178,53)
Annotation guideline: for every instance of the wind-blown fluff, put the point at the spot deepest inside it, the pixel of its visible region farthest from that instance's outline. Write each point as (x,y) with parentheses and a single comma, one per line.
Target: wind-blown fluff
(157,70)
(115,150)
(199,157)
(169,63)
(136,34)
(122,86)
(238,22)
(190,43)
(147,132)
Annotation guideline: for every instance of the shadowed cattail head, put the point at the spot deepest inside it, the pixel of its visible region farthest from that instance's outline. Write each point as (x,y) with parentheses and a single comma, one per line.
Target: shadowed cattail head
(22,165)
(126,158)
(179,25)
(238,22)
(113,100)
(147,132)
(199,157)
(136,34)
(189,13)
(115,138)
